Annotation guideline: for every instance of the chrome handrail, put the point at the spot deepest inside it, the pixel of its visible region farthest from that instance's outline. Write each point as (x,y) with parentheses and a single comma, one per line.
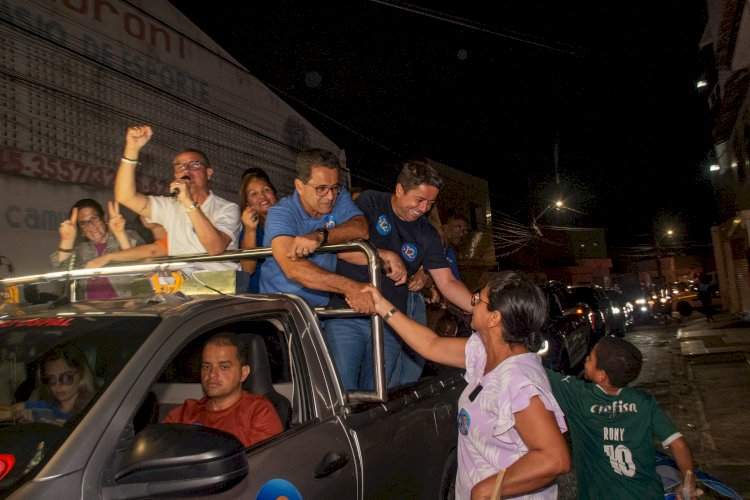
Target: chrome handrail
(164,264)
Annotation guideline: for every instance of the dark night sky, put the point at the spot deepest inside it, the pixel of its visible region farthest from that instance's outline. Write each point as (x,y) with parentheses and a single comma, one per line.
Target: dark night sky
(487,88)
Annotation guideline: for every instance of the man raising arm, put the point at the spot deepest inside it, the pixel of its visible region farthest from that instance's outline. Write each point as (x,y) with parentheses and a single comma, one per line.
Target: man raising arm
(196,220)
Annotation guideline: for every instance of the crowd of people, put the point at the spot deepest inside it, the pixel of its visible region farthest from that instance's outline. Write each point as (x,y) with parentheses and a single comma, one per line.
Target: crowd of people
(512,414)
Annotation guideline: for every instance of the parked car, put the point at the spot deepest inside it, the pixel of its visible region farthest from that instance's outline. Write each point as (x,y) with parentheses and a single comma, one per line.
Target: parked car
(622,312)
(685,297)
(661,301)
(639,296)
(567,330)
(145,357)
(601,309)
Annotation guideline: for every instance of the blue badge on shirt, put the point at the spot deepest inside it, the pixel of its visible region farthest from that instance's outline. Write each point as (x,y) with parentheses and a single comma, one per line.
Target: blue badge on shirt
(278,488)
(383,225)
(409,251)
(464,421)
(329,222)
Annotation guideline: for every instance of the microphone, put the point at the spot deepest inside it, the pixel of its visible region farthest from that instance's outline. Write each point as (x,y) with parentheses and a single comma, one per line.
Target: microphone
(176,191)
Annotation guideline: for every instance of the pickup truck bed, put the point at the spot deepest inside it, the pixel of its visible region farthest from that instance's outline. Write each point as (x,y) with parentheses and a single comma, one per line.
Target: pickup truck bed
(144,353)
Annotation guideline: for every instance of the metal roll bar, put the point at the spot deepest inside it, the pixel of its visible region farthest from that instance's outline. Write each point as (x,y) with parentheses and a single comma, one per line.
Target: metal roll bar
(164,264)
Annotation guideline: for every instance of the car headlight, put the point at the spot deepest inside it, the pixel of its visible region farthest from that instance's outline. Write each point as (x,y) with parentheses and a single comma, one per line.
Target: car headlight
(640,301)
(615,310)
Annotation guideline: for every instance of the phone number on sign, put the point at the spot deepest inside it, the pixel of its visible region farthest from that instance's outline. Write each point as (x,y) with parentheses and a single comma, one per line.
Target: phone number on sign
(13,161)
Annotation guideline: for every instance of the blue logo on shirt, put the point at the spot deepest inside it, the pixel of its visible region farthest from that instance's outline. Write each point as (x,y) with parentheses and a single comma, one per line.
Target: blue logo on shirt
(278,488)
(383,225)
(329,222)
(409,251)
(464,421)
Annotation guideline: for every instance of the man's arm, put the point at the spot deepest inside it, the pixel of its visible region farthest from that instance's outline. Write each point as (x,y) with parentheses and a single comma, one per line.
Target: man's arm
(125,189)
(212,239)
(312,276)
(353,229)
(131,254)
(451,288)
(390,261)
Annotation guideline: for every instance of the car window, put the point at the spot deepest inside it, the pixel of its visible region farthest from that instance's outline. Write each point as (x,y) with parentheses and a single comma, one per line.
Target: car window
(53,370)
(555,307)
(271,368)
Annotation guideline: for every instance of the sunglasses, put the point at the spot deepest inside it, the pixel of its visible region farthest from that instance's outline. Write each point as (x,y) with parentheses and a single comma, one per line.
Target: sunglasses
(62,379)
(476,299)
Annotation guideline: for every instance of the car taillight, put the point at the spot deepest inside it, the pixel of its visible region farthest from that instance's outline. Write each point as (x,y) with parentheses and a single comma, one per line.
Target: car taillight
(6,464)
(592,319)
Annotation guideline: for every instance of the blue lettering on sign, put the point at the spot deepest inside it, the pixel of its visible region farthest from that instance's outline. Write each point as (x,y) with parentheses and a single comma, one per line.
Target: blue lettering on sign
(278,488)
(409,251)
(31,218)
(329,221)
(383,225)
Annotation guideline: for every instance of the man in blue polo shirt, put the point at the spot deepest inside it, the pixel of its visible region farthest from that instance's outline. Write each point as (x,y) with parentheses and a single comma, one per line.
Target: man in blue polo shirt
(397,226)
(320,211)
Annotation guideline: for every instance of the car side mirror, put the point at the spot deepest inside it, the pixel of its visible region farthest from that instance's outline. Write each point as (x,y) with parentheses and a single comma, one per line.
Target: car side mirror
(178,459)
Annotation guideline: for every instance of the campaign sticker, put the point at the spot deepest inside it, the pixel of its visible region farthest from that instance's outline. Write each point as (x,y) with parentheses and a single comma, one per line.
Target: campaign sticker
(383,225)
(464,421)
(329,222)
(276,489)
(409,251)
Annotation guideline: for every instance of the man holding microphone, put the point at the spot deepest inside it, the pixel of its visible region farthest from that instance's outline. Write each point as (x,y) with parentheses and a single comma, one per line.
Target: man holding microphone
(196,220)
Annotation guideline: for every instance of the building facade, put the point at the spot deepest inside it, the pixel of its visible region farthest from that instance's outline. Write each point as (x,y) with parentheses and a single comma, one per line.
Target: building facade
(725,52)
(76,74)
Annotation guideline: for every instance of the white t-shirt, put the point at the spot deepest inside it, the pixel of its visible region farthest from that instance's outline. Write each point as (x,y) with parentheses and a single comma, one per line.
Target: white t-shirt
(181,236)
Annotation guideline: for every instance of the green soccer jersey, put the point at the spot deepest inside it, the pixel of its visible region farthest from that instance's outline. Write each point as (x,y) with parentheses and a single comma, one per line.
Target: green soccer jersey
(613,450)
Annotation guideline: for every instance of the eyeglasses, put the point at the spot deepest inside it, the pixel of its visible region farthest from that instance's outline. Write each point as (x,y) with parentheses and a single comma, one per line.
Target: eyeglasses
(62,379)
(322,190)
(188,165)
(476,299)
(93,220)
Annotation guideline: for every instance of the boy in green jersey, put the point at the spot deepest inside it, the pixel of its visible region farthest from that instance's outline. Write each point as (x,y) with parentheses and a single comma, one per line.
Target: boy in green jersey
(613,426)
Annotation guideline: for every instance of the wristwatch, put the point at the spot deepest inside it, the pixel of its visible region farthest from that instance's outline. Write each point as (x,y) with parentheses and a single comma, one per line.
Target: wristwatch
(324,233)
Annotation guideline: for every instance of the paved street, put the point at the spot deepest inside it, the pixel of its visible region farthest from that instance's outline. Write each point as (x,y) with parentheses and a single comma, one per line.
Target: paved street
(700,374)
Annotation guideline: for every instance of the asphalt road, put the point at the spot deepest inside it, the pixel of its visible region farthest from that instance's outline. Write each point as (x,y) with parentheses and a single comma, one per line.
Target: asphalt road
(699,373)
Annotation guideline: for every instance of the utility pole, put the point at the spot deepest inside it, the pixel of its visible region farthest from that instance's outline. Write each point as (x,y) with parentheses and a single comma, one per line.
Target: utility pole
(658,258)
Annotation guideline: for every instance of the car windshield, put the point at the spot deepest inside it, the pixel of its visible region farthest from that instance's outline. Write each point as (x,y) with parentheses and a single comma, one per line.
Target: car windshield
(53,369)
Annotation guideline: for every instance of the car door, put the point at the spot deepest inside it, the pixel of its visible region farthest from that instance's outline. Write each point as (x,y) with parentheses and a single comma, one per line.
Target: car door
(315,457)
(312,458)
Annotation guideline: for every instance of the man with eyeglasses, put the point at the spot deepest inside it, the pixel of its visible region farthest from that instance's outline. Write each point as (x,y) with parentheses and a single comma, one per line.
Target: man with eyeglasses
(196,220)
(397,224)
(320,211)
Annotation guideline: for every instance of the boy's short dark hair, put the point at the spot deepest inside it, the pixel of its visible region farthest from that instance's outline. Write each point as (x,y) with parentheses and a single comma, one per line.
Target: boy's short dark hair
(619,359)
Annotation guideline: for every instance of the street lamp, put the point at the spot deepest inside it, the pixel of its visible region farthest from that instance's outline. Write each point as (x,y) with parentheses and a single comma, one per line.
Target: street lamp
(558,205)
